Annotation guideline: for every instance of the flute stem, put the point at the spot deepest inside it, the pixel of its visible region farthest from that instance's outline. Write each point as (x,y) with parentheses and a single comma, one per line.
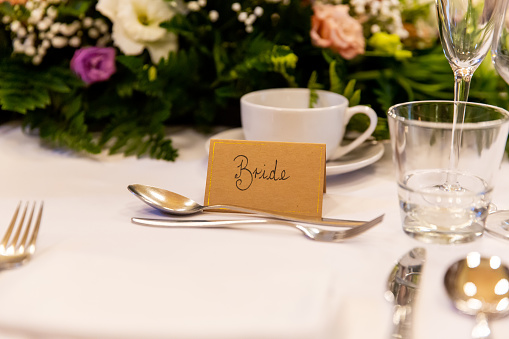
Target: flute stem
(462,79)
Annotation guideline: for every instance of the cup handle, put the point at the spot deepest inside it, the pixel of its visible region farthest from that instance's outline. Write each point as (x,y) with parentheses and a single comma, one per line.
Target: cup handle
(350,112)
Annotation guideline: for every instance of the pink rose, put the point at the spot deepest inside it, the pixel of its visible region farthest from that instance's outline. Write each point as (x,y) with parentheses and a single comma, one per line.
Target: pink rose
(332,27)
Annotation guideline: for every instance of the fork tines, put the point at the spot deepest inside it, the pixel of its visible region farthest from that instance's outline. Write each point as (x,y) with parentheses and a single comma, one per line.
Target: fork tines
(17,225)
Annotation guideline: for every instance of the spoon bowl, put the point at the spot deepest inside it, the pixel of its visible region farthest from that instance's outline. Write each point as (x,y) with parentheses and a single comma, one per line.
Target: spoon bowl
(176,204)
(479,286)
(164,200)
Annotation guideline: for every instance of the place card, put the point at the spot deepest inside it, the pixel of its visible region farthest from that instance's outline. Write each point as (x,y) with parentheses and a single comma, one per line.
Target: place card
(283,177)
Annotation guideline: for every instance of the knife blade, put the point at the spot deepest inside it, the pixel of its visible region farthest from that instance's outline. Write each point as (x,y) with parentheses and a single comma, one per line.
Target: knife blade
(402,289)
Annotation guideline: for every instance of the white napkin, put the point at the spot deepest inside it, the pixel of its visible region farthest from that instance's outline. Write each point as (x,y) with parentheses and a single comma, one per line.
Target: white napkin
(121,296)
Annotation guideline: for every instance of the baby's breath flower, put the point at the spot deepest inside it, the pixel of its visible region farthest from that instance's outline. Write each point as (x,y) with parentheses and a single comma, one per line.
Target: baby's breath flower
(75,42)
(258,11)
(41,30)
(193,6)
(242,16)
(93,33)
(236,7)
(87,22)
(213,15)
(59,41)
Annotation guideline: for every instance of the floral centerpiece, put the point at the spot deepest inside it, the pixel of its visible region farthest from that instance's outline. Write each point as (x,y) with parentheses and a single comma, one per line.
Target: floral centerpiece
(112,75)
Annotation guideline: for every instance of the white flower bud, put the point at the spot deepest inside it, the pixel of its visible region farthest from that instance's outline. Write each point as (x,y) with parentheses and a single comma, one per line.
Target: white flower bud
(101,25)
(22,32)
(75,42)
(36,15)
(59,41)
(6,19)
(30,50)
(193,6)
(249,29)
(41,51)
(31,38)
(258,11)
(36,60)
(87,22)
(93,33)
(103,41)
(202,3)
(236,7)
(15,25)
(242,16)
(18,46)
(45,44)
(250,19)
(55,27)
(43,25)
(69,30)
(52,12)
(213,15)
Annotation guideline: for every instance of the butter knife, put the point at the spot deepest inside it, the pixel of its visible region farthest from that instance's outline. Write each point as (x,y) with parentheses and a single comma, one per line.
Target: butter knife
(402,288)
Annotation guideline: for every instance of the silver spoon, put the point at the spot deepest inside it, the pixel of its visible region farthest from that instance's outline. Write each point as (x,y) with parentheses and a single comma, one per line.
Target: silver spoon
(173,203)
(479,286)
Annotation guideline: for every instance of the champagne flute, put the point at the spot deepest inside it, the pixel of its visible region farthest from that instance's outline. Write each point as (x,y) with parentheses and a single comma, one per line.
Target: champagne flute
(466,33)
(497,222)
(500,46)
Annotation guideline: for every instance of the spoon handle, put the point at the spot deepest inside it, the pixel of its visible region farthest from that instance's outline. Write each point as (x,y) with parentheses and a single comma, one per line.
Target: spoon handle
(287,217)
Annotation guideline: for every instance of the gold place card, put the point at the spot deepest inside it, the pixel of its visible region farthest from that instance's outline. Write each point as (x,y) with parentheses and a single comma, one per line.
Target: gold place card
(282,177)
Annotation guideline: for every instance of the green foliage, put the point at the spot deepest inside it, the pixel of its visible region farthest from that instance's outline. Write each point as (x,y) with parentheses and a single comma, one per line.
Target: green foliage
(24,88)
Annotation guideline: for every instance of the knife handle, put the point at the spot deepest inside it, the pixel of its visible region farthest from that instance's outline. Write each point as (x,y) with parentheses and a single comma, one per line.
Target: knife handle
(402,321)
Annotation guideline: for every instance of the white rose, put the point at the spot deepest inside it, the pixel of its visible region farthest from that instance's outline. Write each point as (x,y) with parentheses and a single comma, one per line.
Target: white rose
(136,26)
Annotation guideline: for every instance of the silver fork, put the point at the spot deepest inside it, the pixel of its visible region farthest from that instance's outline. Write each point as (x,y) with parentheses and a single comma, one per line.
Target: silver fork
(310,232)
(14,253)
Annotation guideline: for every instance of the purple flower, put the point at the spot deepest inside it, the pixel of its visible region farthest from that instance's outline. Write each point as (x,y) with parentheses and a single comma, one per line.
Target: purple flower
(93,64)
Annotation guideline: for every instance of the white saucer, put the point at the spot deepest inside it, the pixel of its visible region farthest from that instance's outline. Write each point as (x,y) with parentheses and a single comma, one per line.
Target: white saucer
(364,155)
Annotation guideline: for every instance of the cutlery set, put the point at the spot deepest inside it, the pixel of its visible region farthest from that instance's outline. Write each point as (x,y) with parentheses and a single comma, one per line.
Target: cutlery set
(176,204)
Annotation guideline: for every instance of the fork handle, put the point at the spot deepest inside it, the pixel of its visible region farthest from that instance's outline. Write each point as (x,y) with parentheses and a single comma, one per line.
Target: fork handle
(200,223)
(287,217)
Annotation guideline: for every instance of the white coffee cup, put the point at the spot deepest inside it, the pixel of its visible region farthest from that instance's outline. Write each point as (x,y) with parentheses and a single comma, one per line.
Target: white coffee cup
(283,114)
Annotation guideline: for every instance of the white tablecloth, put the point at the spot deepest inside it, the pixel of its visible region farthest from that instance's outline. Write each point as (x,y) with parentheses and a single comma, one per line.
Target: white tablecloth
(97,275)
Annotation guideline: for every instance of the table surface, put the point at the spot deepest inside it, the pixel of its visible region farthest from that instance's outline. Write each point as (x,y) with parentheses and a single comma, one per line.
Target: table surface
(97,275)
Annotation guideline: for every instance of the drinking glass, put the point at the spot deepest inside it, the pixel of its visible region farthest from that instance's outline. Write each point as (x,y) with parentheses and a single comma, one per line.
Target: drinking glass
(419,135)
(466,32)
